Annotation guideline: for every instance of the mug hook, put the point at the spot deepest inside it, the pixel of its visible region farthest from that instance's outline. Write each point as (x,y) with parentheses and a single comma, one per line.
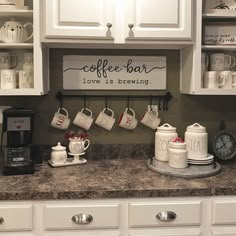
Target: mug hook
(128,102)
(150,102)
(59,97)
(84,101)
(106,102)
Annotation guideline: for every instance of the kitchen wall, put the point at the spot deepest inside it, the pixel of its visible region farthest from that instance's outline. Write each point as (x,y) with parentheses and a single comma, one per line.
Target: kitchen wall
(183,109)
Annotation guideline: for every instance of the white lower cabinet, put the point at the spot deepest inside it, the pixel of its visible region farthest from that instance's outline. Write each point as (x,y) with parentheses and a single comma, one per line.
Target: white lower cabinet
(224,217)
(190,216)
(16,217)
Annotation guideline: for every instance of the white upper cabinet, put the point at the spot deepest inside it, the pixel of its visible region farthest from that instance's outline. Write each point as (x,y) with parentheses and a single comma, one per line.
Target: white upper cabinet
(78,18)
(169,19)
(118,21)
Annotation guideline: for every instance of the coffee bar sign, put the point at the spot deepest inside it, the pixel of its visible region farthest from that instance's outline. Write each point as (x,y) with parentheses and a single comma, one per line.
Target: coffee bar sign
(114,72)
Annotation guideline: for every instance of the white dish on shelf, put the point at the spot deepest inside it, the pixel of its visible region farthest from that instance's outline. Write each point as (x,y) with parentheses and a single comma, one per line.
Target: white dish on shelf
(213,6)
(68,163)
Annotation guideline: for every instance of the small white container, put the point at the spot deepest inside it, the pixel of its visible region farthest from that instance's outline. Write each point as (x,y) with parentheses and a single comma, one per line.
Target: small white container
(196,139)
(178,154)
(164,134)
(58,154)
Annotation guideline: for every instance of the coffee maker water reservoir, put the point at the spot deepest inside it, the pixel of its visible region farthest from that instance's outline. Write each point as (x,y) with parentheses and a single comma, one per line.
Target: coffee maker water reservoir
(17,129)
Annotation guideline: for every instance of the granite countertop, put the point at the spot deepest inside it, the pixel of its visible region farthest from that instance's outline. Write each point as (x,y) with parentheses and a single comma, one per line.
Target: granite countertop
(119,178)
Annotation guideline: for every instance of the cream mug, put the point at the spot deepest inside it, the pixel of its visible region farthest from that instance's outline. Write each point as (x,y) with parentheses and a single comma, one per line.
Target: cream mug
(8,79)
(84,120)
(127,120)
(104,120)
(150,119)
(26,79)
(221,61)
(212,80)
(226,76)
(60,120)
(7,60)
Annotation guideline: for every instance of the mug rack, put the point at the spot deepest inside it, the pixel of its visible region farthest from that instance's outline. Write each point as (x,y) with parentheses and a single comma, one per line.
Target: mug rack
(163,100)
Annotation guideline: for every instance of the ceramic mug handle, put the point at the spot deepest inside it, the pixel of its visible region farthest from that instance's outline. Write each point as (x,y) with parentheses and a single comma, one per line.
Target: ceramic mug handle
(130,109)
(31,36)
(86,144)
(108,109)
(86,109)
(63,109)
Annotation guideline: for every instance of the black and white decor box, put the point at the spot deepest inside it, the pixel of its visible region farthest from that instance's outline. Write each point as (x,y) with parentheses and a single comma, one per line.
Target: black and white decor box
(93,72)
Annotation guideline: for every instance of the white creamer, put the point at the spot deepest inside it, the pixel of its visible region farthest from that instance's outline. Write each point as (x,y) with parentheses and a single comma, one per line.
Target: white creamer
(164,134)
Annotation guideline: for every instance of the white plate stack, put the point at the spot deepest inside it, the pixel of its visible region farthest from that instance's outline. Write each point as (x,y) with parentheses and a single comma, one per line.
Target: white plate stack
(201,161)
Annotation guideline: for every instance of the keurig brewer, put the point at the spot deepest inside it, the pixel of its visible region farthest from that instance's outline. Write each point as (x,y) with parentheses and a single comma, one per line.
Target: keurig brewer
(17,130)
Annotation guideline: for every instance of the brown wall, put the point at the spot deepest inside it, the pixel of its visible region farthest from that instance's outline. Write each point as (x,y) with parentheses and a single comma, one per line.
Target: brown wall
(183,109)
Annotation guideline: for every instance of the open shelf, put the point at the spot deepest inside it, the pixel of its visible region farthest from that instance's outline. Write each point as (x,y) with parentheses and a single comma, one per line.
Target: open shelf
(20,92)
(220,15)
(224,47)
(13,13)
(16,45)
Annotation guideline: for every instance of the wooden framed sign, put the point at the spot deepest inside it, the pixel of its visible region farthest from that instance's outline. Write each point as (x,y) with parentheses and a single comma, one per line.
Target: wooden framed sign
(114,72)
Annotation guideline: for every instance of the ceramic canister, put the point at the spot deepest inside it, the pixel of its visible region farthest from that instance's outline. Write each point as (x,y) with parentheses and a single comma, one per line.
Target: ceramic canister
(178,154)
(58,154)
(196,139)
(163,136)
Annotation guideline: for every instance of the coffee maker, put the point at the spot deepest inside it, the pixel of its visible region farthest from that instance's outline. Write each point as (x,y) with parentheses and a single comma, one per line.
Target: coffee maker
(17,130)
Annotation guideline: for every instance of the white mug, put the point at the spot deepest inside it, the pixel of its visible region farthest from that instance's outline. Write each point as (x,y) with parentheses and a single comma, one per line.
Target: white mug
(104,120)
(82,120)
(150,119)
(212,80)
(60,120)
(227,76)
(234,80)
(26,79)
(128,121)
(8,79)
(7,60)
(221,61)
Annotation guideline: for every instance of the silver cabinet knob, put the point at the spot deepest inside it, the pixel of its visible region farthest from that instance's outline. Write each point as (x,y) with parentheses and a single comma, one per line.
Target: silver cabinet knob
(166,216)
(1,220)
(130,26)
(82,219)
(109,25)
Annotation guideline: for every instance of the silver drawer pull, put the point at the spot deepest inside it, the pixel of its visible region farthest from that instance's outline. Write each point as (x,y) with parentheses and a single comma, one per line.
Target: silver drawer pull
(82,219)
(1,220)
(166,216)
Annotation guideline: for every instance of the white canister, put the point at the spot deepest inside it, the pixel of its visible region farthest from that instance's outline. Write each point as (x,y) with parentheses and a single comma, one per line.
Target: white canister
(58,154)
(164,134)
(178,154)
(196,139)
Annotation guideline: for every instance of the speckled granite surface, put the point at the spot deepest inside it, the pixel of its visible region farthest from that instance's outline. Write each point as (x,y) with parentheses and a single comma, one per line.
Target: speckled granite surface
(117,178)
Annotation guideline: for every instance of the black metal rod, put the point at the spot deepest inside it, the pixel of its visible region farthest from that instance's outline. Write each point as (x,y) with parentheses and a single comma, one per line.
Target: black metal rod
(165,97)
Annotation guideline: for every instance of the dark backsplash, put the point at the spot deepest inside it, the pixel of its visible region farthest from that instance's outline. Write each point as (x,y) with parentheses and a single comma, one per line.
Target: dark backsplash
(183,110)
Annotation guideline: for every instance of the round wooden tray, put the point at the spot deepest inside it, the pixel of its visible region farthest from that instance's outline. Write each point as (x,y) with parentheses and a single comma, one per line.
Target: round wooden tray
(192,171)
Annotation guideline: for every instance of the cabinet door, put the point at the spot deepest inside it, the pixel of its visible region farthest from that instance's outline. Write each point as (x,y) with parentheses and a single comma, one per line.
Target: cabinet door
(78,18)
(169,19)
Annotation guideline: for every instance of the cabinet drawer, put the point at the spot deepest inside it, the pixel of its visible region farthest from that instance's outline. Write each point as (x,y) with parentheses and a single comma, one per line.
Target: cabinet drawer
(145,214)
(16,218)
(60,216)
(223,212)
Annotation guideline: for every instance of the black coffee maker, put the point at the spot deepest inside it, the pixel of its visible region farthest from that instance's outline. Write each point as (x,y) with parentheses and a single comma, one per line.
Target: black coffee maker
(17,130)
